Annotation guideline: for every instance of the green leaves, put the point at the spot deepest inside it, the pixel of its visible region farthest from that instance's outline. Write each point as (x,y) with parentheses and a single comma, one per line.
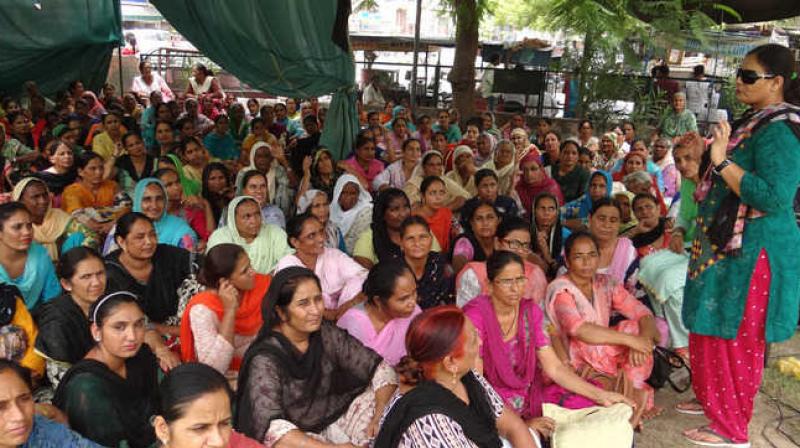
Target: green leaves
(366,5)
(727,9)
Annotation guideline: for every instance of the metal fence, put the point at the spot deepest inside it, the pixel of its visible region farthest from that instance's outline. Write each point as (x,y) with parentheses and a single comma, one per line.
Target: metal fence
(534,92)
(537,92)
(175,66)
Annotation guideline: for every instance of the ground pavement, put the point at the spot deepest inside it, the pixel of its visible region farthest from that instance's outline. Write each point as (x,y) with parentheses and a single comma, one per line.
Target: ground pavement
(665,431)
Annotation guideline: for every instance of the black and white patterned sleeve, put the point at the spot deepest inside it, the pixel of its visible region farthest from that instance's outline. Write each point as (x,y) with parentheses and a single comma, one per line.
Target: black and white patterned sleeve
(494,398)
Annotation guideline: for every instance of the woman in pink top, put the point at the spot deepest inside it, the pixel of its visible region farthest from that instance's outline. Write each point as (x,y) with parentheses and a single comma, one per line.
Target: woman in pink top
(579,305)
(363,164)
(381,323)
(513,235)
(340,276)
(511,330)
(395,139)
(616,253)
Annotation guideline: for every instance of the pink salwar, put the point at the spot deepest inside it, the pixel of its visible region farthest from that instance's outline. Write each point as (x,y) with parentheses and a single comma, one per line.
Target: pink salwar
(726,373)
(568,309)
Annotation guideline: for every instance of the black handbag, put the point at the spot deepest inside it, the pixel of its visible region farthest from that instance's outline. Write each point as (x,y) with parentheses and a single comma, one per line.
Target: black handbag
(8,303)
(665,362)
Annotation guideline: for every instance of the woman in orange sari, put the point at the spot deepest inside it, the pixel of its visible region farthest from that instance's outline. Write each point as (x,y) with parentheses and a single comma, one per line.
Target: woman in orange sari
(90,190)
(91,199)
(219,323)
(433,209)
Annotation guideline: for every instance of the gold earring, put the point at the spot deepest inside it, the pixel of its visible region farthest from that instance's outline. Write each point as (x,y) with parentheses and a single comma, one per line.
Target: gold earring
(455,379)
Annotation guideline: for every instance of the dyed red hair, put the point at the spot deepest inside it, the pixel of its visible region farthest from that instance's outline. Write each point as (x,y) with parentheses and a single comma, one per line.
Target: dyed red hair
(433,335)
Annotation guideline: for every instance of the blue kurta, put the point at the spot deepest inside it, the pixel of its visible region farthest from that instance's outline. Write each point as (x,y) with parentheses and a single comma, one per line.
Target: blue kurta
(38,282)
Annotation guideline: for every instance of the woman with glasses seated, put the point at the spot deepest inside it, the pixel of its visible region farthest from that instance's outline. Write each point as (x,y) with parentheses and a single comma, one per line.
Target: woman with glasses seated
(510,327)
(513,235)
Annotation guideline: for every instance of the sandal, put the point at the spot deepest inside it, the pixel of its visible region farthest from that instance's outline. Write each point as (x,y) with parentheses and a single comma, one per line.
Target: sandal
(701,436)
(690,407)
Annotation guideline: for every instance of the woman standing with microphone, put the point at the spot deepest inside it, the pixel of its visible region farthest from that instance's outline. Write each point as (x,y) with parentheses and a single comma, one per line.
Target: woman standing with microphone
(743,286)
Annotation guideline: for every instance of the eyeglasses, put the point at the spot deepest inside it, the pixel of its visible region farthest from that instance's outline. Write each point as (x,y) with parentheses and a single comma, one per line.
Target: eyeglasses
(522,246)
(584,256)
(751,76)
(508,283)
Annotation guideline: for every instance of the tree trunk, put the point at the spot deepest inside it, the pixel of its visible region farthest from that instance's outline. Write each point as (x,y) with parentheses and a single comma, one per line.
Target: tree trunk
(462,76)
(583,83)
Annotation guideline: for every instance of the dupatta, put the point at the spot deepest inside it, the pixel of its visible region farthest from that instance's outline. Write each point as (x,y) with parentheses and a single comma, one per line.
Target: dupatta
(596,311)
(725,225)
(55,220)
(64,333)
(496,365)
(247,321)
(527,192)
(476,418)
(109,409)
(581,207)
(316,387)
(269,246)
(191,187)
(170,229)
(346,219)
(269,175)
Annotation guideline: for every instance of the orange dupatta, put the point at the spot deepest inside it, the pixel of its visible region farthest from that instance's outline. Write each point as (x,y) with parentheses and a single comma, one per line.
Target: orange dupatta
(247,322)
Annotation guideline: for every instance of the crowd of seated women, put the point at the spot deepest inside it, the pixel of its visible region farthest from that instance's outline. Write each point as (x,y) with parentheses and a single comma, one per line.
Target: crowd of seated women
(187,268)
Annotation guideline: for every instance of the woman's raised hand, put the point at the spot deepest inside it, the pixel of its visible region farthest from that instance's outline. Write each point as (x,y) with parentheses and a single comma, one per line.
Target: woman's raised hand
(167,359)
(676,242)
(719,147)
(229,294)
(694,142)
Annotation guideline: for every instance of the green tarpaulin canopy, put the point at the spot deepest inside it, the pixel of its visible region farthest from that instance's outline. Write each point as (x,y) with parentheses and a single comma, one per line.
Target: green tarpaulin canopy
(296,48)
(56,43)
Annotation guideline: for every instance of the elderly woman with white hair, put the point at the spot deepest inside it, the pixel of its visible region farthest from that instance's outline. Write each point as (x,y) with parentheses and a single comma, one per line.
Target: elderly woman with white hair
(317,204)
(662,157)
(640,182)
(522,145)
(463,171)
(678,120)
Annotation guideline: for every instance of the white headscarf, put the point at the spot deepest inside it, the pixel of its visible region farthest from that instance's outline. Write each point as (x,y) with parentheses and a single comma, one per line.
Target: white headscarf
(345,219)
(270,175)
(306,199)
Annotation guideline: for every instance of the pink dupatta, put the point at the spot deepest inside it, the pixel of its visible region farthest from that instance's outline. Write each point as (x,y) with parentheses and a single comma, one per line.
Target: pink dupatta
(624,255)
(597,311)
(497,368)
(389,343)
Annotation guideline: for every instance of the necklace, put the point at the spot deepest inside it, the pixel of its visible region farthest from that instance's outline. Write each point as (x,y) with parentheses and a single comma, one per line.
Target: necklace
(511,327)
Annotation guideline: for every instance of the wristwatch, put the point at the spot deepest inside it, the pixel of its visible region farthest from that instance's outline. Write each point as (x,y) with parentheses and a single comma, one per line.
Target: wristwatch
(724,164)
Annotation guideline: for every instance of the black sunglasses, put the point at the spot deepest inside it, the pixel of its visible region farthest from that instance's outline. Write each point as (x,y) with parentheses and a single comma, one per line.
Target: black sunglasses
(751,76)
